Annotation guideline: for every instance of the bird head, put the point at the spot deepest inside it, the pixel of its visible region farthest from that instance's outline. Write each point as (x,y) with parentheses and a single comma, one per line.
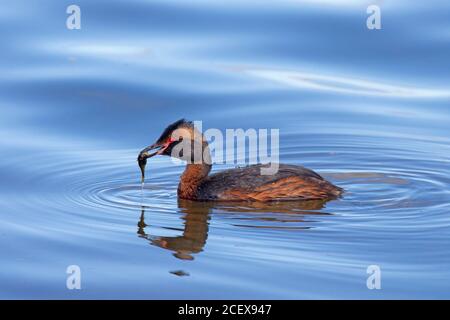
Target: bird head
(179,140)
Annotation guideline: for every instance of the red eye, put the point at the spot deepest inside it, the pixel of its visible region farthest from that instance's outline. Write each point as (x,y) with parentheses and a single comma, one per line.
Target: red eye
(170,140)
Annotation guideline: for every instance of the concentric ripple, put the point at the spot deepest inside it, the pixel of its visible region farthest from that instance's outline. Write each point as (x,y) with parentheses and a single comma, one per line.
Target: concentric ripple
(369,172)
(395,196)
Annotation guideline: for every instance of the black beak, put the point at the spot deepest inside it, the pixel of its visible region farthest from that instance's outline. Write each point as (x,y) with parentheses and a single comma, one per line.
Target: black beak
(144,155)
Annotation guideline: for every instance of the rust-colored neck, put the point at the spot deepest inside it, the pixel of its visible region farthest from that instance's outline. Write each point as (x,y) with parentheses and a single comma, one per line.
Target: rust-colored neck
(191,179)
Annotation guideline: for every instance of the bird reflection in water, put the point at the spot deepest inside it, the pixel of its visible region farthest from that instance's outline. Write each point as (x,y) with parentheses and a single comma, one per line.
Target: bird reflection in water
(196,216)
(193,239)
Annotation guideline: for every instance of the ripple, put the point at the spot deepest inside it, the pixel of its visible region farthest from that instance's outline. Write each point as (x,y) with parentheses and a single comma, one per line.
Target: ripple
(345,85)
(104,183)
(388,191)
(393,194)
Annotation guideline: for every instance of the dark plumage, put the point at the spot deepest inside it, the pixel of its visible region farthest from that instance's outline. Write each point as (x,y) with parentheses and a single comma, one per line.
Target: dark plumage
(172,127)
(289,183)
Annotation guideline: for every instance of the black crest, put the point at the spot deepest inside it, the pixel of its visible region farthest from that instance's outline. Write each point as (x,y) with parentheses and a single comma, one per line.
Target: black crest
(182,123)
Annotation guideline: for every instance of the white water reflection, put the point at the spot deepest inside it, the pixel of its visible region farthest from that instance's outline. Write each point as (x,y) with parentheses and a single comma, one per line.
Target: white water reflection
(345,85)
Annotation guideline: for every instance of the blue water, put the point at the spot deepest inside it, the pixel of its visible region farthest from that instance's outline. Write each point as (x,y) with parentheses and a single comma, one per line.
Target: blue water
(368,109)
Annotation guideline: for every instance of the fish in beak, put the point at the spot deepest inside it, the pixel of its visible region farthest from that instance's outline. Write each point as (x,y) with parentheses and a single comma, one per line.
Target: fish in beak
(146,153)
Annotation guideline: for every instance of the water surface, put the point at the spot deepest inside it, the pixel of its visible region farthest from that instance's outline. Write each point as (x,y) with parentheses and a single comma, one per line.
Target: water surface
(369,110)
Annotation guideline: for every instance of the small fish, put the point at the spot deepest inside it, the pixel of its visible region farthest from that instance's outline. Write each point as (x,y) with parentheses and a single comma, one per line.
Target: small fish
(142,161)
(144,155)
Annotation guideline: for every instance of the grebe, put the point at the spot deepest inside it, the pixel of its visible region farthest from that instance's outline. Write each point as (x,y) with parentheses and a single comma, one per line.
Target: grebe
(290,182)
